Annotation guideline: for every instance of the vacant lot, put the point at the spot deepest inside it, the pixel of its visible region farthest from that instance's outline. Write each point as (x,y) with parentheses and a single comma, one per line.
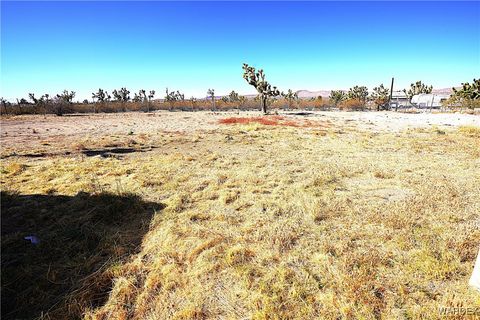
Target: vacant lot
(199,216)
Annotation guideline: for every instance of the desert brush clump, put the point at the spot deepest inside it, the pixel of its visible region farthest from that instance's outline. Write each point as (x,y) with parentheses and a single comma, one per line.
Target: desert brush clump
(254,221)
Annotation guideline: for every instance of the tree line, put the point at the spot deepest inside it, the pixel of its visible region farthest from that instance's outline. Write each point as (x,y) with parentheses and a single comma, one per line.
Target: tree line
(356,98)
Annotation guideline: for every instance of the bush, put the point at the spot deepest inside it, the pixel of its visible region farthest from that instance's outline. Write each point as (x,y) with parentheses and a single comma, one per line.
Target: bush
(352,105)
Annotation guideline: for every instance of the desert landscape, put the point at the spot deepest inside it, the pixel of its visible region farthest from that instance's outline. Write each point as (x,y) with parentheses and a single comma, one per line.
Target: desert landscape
(210,215)
(221,160)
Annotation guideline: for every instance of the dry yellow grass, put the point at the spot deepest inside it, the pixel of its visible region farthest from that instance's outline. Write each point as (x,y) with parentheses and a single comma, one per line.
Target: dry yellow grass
(287,223)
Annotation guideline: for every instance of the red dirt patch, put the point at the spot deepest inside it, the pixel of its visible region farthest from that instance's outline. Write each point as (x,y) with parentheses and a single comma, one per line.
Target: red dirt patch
(270,121)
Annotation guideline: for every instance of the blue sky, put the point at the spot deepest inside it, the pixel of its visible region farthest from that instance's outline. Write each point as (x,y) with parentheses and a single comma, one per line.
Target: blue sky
(192,46)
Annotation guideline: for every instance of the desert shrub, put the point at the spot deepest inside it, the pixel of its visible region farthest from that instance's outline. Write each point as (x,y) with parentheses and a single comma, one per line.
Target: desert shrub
(351,105)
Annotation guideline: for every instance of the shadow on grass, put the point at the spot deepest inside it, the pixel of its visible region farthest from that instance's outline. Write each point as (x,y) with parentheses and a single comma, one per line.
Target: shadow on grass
(104,153)
(109,152)
(81,239)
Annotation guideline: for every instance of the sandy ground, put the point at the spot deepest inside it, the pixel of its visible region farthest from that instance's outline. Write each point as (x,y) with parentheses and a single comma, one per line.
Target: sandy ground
(21,134)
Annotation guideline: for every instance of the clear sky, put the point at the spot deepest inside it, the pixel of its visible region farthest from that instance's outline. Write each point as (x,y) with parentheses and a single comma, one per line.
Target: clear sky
(192,46)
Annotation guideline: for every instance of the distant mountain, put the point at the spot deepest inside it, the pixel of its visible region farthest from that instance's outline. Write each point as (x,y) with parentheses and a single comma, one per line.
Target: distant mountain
(443,91)
(313,94)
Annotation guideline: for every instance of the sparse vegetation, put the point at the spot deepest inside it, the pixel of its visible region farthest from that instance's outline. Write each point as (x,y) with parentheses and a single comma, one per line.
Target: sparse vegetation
(263,217)
(357,98)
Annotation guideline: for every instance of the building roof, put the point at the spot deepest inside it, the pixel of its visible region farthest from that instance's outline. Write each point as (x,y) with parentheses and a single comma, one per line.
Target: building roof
(399,95)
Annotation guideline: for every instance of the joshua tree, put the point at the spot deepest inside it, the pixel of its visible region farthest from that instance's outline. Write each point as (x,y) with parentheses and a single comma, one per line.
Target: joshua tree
(35,101)
(291,97)
(66,96)
(101,96)
(62,99)
(116,95)
(42,102)
(257,80)
(173,97)
(380,96)
(358,93)
(32,97)
(136,98)
(233,96)
(150,96)
(242,100)
(211,94)
(193,101)
(123,96)
(140,97)
(468,95)
(21,103)
(417,88)
(5,103)
(337,96)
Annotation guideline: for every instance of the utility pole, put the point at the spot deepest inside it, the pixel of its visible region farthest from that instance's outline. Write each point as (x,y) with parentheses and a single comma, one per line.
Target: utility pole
(391,93)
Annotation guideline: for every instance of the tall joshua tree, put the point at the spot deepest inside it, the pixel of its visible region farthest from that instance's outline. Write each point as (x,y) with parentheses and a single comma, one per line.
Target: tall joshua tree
(211,94)
(417,88)
(257,80)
